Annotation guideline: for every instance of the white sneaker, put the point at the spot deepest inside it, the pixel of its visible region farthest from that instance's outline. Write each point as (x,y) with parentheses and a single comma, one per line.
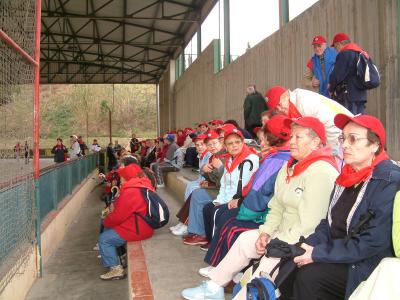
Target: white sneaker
(206,271)
(182,230)
(160,185)
(96,248)
(176,227)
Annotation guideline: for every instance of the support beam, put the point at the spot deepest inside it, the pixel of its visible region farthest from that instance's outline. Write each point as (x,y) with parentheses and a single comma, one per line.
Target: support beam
(199,39)
(227,34)
(283,12)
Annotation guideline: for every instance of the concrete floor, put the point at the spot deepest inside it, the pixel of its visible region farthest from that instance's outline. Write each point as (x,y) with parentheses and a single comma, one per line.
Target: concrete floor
(172,266)
(72,273)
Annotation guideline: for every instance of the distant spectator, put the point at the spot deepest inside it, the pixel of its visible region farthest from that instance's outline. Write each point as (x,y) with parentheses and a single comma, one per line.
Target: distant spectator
(343,83)
(112,157)
(26,152)
(265,116)
(180,138)
(215,124)
(83,145)
(59,151)
(170,163)
(246,134)
(119,223)
(117,147)
(143,148)
(17,151)
(150,156)
(95,146)
(75,147)
(134,143)
(202,128)
(254,104)
(320,66)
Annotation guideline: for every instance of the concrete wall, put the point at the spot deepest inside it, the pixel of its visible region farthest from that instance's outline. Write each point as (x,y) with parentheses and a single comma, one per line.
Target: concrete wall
(201,95)
(56,225)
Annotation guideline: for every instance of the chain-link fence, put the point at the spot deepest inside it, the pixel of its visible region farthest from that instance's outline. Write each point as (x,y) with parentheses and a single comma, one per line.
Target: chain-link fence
(17,209)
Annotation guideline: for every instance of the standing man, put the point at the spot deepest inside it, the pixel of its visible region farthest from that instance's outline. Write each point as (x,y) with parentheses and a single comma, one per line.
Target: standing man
(75,147)
(320,66)
(254,105)
(344,84)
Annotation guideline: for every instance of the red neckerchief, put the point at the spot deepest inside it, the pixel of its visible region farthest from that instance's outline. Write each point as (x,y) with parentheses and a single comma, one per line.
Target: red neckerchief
(324,154)
(202,155)
(238,159)
(293,112)
(354,47)
(349,177)
(273,150)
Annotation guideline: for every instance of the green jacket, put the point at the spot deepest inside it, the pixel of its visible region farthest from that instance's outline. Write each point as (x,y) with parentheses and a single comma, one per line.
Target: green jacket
(253,106)
(396,225)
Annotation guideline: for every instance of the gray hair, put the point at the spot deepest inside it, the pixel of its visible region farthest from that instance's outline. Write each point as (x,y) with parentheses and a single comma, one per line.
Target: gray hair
(310,132)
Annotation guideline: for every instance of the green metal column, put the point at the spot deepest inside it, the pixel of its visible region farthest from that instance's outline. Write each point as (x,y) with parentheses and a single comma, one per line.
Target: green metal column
(182,60)
(227,34)
(283,12)
(199,39)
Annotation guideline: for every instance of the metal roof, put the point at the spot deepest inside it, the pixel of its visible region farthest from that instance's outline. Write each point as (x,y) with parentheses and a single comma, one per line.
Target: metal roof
(114,41)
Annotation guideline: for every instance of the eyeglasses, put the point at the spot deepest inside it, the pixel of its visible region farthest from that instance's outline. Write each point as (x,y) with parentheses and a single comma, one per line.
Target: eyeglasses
(215,144)
(233,143)
(351,139)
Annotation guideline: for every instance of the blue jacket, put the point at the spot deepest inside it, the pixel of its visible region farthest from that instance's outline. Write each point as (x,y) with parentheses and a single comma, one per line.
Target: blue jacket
(255,204)
(329,62)
(364,251)
(345,72)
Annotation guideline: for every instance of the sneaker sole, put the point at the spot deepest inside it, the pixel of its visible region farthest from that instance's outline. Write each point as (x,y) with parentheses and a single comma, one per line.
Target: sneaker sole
(114,278)
(189,298)
(195,243)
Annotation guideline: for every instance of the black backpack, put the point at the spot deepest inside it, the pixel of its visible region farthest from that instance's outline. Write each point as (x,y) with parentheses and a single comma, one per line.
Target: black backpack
(157,211)
(367,72)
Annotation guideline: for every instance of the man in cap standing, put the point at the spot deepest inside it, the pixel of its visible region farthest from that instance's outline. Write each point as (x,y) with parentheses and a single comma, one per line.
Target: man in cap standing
(320,66)
(344,84)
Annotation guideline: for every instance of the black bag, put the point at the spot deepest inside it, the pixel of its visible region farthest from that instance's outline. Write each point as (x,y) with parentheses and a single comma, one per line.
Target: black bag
(157,211)
(239,191)
(367,72)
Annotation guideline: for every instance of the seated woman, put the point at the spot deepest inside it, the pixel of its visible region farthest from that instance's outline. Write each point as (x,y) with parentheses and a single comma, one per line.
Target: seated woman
(120,224)
(383,282)
(226,206)
(342,251)
(237,153)
(253,210)
(300,201)
(212,172)
(204,156)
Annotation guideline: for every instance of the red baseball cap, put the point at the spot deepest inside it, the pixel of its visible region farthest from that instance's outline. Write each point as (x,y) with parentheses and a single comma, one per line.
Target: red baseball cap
(310,122)
(370,122)
(276,125)
(200,137)
(211,134)
(217,122)
(129,171)
(318,40)
(339,37)
(233,131)
(226,127)
(274,96)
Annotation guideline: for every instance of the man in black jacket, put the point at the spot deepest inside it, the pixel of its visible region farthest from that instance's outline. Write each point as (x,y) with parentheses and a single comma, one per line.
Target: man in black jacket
(344,85)
(254,105)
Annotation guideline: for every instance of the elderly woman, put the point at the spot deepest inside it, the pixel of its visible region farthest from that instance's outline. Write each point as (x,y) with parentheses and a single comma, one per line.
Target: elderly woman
(300,201)
(356,234)
(254,209)
(212,172)
(225,206)
(237,153)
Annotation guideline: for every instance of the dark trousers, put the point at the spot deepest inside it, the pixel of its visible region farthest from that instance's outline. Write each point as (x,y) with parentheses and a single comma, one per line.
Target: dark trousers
(320,281)
(215,216)
(191,157)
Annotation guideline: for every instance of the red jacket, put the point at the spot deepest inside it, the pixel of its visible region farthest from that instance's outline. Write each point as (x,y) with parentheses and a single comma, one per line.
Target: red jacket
(122,219)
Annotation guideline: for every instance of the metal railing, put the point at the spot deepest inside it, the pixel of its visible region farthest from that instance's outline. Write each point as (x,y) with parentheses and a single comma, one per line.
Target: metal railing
(58,181)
